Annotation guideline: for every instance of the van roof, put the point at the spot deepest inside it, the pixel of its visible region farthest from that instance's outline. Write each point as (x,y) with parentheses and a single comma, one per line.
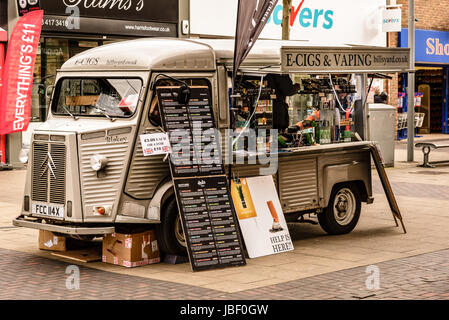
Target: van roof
(173,53)
(145,54)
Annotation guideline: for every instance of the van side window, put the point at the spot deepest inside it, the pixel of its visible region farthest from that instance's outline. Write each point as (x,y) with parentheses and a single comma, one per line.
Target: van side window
(154,115)
(154,112)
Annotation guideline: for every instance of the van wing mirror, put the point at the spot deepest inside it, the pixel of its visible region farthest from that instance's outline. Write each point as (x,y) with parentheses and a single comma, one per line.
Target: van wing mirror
(49,91)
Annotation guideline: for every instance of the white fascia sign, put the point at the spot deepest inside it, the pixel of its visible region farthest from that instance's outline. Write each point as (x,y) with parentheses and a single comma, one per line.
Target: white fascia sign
(327,22)
(391,20)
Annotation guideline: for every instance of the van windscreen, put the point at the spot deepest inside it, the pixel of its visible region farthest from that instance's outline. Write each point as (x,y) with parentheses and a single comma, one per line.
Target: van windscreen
(104,97)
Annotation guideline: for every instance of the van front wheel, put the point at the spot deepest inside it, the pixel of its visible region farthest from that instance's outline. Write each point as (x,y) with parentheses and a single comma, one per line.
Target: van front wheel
(343,210)
(170,235)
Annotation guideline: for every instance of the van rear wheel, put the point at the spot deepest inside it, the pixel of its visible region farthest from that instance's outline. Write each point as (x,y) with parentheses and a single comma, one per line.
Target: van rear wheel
(170,235)
(343,210)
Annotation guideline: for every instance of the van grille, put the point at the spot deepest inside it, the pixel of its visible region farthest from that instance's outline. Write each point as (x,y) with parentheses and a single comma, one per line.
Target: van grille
(57,182)
(103,190)
(48,181)
(40,174)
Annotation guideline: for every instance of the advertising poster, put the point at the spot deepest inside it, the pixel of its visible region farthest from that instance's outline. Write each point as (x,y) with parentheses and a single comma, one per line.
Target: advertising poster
(3,38)
(25,6)
(260,215)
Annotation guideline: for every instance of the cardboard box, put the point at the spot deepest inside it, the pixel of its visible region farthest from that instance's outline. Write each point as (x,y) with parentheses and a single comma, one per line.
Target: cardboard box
(131,250)
(48,241)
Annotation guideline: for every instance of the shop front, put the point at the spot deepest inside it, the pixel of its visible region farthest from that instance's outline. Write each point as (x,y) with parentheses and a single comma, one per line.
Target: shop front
(71,27)
(432,84)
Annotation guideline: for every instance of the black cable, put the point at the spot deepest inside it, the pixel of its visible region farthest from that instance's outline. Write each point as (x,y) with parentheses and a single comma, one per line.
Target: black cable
(163,74)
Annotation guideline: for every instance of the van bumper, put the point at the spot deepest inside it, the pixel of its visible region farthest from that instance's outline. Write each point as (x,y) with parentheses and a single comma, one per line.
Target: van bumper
(21,221)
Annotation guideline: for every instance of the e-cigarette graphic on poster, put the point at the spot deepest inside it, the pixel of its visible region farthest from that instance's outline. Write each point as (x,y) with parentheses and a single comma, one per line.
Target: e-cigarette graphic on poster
(260,215)
(243,202)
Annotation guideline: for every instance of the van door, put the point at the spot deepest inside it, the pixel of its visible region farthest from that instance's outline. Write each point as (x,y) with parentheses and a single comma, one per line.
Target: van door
(146,174)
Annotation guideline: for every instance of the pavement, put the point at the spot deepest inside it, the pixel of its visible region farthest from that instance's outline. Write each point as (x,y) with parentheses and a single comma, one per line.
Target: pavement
(375,261)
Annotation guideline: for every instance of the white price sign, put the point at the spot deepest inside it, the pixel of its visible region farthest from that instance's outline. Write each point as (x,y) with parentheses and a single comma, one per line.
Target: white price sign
(155,143)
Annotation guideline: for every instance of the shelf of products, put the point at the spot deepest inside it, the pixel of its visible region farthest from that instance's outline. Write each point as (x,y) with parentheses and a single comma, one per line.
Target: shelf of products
(434,78)
(316,116)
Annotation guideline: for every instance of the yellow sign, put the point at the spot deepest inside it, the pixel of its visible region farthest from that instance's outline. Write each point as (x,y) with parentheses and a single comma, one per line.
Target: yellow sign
(243,202)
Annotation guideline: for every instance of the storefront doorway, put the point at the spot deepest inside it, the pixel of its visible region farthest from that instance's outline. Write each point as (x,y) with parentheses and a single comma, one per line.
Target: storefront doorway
(432,80)
(429,83)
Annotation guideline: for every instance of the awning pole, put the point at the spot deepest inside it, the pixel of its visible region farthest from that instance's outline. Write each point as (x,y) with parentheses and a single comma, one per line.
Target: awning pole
(411,83)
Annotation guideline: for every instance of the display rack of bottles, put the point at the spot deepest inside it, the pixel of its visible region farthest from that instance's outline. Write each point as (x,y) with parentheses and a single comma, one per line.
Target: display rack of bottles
(433,78)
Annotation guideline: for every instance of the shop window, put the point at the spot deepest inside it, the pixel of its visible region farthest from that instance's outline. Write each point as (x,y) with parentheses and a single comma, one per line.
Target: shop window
(154,113)
(51,55)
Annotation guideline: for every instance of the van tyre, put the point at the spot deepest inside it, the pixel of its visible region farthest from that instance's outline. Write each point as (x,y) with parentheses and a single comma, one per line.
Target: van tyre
(343,211)
(170,235)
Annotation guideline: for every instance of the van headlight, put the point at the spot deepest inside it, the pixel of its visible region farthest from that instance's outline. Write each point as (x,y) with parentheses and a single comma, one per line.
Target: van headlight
(23,155)
(98,162)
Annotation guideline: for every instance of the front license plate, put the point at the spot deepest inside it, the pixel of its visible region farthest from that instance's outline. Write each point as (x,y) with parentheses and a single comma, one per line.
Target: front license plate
(48,209)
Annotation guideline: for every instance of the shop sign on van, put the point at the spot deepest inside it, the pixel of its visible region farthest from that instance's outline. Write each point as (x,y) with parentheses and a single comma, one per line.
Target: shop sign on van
(314,59)
(391,20)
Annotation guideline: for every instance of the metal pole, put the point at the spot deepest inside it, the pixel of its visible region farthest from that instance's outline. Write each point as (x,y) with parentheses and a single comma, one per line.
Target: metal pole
(411,82)
(286,11)
(366,130)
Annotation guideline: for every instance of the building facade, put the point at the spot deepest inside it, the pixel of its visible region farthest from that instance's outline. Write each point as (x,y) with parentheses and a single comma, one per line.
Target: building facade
(432,63)
(70,27)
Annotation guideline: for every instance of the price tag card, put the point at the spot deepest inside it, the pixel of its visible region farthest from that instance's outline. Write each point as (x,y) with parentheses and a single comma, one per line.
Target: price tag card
(155,143)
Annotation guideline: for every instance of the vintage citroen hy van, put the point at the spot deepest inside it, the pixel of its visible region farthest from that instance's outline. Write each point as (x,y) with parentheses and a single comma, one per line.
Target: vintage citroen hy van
(87,175)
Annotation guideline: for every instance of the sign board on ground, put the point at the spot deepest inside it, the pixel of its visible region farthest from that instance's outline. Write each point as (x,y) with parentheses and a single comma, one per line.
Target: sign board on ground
(201,187)
(260,215)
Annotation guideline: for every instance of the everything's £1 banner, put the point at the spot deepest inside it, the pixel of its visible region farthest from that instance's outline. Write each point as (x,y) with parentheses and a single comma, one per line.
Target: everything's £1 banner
(15,106)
